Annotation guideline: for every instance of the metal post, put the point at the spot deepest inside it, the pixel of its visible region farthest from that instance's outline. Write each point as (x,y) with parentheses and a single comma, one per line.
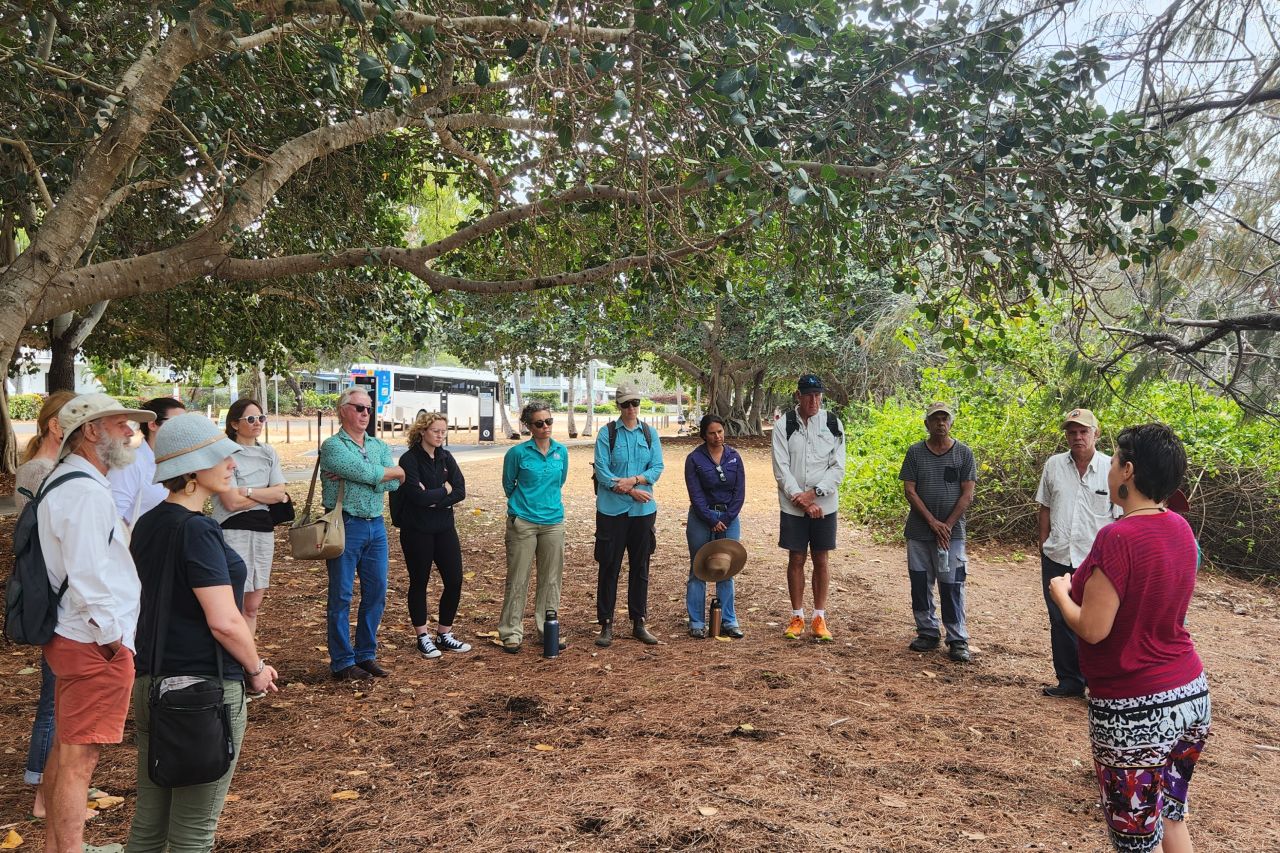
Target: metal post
(286,431)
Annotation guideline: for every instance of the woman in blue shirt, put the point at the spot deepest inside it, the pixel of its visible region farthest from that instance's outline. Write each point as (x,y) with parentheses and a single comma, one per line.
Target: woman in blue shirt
(717,487)
(533,473)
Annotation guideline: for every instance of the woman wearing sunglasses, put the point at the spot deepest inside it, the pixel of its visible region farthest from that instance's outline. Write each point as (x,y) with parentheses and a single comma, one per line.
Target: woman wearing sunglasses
(242,511)
(533,473)
(717,486)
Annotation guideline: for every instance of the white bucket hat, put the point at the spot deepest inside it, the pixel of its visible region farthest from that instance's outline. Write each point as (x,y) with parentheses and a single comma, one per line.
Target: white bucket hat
(189,443)
(90,407)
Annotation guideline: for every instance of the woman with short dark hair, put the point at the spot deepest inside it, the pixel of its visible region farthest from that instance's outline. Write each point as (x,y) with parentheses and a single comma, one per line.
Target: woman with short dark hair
(1149,710)
(717,485)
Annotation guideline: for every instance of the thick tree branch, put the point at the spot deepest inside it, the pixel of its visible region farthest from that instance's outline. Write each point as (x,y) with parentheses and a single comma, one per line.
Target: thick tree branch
(32,167)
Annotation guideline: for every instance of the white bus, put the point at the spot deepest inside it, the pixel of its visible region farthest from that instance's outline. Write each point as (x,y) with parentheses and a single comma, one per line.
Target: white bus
(402,393)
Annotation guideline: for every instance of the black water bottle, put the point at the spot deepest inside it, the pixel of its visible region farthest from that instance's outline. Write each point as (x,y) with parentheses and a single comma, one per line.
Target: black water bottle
(714,621)
(551,635)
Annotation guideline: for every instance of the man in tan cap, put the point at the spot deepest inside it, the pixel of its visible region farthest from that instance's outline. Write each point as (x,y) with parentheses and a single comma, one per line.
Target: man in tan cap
(86,553)
(1074,506)
(938,477)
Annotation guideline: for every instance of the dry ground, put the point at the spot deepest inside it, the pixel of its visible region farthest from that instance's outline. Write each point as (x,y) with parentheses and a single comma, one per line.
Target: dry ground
(759,744)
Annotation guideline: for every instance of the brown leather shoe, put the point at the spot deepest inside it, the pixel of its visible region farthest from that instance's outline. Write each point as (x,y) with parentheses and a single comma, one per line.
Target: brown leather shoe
(371,666)
(641,633)
(352,673)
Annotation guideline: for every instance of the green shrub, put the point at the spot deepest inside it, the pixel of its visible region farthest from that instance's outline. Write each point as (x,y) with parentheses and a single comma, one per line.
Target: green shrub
(550,398)
(25,407)
(313,401)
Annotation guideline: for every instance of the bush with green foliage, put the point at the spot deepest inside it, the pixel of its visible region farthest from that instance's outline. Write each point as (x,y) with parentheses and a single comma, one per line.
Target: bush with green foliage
(1012,426)
(550,398)
(314,401)
(25,407)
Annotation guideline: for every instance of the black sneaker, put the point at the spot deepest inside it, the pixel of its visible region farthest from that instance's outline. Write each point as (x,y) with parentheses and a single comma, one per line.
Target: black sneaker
(923,644)
(428,649)
(1059,692)
(450,643)
(959,651)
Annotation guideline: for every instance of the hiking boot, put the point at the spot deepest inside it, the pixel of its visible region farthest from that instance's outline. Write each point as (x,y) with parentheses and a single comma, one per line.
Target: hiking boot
(641,633)
(605,639)
(426,648)
(352,673)
(819,628)
(959,651)
(923,644)
(698,633)
(732,631)
(795,628)
(450,643)
(1057,691)
(371,666)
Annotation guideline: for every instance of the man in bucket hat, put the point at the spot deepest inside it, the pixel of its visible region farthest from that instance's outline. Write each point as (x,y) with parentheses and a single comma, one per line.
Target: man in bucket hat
(85,545)
(938,477)
(1075,504)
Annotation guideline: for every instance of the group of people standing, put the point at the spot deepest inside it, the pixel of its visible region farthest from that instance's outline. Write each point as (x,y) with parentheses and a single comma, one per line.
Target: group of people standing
(1118,571)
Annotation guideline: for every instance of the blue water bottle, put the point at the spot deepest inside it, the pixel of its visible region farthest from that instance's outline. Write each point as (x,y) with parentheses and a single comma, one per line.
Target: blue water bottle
(551,635)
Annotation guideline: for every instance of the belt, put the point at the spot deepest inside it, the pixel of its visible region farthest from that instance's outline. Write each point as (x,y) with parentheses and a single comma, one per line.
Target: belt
(719,507)
(346,514)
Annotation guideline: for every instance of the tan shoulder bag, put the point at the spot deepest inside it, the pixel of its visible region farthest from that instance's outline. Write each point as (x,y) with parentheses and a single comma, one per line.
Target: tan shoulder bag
(325,537)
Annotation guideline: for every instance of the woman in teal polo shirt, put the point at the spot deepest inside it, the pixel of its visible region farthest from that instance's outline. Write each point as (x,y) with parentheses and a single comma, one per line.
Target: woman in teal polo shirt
(533,473)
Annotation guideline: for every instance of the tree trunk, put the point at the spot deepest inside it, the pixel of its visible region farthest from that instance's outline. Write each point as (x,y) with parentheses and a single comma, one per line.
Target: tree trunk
(62,367)
(573,400)
(516,375)
(291,380)
(591,397)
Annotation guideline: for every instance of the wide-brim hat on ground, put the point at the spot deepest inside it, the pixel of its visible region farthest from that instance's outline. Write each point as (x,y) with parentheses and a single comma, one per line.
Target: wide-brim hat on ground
(934,408)
(719,560)
(189,443)
(626,391)
(90,407)
(1084,417)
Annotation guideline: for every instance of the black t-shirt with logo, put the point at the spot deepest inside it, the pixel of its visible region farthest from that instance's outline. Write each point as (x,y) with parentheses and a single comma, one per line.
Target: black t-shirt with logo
(205,561)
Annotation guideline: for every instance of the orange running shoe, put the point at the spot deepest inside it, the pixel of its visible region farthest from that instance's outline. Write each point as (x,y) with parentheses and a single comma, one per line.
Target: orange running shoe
(820,632)
(795,629)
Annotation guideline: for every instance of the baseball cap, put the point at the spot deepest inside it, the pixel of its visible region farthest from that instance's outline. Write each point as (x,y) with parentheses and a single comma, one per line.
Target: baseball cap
(91,407)
(1084,417)
(934,408)
(627,391)
(809,383)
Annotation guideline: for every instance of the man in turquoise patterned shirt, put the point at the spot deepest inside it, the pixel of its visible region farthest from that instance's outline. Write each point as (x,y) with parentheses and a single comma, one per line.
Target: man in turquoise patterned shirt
(362,465)
(628,462)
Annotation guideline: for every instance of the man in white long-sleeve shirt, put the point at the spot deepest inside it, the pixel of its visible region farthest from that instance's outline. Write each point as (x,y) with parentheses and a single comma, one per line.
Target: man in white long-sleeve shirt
(808,463)
(84,543)
(131,486)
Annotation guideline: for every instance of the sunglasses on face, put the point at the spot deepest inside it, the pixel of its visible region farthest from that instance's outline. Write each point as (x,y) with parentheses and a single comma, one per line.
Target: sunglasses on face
(360,410)
(541,424)
(628,404)
(254,419)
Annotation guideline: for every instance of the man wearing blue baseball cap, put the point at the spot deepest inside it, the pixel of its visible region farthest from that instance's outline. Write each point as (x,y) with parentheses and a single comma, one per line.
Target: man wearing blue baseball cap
(808,464)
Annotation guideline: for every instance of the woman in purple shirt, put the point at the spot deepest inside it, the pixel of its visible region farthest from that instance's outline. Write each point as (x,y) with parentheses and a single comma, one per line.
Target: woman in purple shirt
(717,486)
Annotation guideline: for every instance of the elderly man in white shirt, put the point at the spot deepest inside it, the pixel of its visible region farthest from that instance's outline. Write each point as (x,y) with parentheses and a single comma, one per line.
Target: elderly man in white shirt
(1074,505)
(85,545)
(131,487)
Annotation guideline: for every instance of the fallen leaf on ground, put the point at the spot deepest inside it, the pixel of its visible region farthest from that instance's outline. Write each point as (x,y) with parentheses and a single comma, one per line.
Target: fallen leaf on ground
(104,803)
(929,674)
(486,633)
(345,795)
(974,836)
(12,840)
(544,747)
(357,772)
(708,811)
(28,670)
(746,727)
(233,798)
(469,575)
(725,639)
(893,802)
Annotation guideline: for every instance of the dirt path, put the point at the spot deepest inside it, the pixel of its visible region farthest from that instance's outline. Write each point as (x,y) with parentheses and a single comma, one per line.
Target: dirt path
(759,744)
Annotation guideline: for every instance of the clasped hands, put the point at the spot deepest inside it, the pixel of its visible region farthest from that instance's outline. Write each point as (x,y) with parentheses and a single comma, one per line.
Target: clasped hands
(627,486)
(807,501)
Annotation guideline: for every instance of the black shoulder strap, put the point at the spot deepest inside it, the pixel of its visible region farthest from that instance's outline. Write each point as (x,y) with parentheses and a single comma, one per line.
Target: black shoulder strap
(833,424)
(613,435)
(50,484)
(793,422)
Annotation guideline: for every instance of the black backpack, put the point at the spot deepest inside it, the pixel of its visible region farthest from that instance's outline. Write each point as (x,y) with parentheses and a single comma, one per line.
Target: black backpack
(793,423)
(613,440)
(30,601)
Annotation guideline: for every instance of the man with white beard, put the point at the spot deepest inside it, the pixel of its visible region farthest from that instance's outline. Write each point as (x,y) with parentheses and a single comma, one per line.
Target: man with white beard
(86,554)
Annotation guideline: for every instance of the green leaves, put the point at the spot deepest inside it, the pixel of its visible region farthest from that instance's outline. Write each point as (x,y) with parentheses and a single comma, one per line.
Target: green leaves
(375,93)
(369,67)
(481,74)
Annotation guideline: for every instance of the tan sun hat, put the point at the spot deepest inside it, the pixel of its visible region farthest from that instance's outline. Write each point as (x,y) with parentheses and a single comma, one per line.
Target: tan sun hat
(1084,417)
(719,560)
(626,391)
(90,407)
(934,408)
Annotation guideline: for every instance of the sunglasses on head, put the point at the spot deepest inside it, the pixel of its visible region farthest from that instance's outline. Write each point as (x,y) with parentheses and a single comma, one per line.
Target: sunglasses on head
(628,404)
(360,409)
(540,424)
(254,419)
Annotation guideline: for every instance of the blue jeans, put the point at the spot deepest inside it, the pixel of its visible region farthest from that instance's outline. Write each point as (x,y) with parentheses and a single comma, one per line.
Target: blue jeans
(42,728)
(698,534)
(365,555)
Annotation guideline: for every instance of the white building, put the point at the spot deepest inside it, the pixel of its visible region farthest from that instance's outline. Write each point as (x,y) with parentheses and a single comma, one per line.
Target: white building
(37,382)
(531,380)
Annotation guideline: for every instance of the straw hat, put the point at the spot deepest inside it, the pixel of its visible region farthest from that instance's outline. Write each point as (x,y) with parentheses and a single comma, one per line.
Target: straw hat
(188,443)
(719,560)
(91,407)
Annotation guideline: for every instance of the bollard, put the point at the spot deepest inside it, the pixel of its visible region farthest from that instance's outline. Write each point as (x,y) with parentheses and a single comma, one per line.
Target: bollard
(286,431)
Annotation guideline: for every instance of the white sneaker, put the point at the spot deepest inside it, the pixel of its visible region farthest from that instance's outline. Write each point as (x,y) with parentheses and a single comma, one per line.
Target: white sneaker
(450,643)
(426,648)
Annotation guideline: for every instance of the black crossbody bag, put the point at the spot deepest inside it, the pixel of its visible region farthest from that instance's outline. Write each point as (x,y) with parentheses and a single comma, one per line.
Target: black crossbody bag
(190,741)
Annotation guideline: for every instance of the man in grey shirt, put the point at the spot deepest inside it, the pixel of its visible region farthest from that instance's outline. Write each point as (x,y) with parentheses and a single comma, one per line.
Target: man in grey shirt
(938,476)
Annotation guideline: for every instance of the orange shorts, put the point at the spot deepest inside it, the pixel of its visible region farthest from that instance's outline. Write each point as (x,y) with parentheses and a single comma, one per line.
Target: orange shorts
(91,699)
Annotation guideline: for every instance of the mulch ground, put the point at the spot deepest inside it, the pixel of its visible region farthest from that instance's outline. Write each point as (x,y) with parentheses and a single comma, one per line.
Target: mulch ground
(757,744)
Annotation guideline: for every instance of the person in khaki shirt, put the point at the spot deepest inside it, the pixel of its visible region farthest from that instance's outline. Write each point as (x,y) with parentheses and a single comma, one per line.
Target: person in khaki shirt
(1074,506)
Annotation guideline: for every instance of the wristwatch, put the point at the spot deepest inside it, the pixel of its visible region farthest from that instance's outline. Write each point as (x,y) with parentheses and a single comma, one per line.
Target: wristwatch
(819,491)
(248,493)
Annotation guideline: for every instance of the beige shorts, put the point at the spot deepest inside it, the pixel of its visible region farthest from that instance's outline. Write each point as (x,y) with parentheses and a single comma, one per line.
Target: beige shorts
(257,549)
